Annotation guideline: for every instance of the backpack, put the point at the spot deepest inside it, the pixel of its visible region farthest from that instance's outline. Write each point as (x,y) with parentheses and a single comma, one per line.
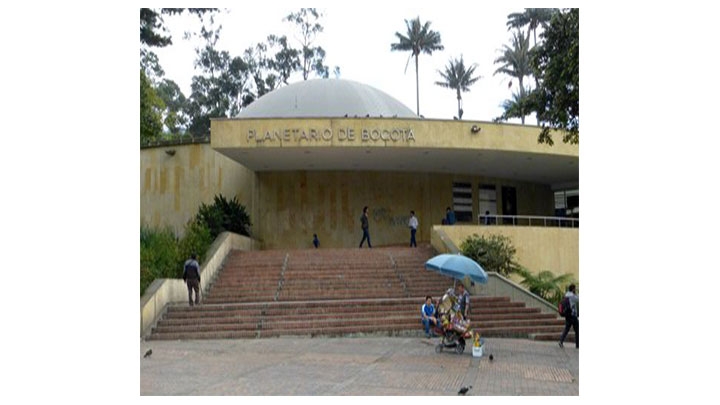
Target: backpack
(564,307)
(191,271)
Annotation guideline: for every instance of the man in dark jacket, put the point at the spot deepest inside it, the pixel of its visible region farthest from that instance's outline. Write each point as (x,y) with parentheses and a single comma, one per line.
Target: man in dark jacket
(572,318)
(191,276)
(364,222)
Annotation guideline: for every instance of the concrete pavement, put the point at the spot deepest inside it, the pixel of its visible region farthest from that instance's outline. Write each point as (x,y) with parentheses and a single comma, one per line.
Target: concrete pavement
(356,366)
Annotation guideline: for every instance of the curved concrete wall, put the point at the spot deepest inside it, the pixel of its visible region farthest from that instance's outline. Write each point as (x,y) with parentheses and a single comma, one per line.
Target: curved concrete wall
(441,134)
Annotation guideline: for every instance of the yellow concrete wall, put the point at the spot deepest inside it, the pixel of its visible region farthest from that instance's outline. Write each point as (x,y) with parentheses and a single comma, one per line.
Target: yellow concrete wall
(173,187)
(294,205)
(233,133)
(286,208)
(538,248)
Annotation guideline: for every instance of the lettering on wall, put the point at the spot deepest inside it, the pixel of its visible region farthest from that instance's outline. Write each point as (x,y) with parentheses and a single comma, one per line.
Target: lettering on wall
(318,135)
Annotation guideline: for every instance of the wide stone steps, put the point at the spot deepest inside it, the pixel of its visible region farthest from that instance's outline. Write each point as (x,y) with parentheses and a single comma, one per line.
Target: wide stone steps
(258,316)
(336,292)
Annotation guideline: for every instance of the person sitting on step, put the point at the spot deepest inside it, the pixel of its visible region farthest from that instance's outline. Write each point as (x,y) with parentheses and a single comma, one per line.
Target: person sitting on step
(427,314)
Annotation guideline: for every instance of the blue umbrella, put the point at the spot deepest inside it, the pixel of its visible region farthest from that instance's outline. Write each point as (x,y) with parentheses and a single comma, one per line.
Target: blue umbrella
(457,267)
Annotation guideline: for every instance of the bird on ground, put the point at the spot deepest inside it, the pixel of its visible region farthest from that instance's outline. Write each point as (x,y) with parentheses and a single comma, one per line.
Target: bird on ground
(148,353)
(491,357)
(464,390)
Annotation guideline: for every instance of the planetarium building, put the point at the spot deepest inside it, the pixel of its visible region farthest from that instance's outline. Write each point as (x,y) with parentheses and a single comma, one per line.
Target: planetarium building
(306,158)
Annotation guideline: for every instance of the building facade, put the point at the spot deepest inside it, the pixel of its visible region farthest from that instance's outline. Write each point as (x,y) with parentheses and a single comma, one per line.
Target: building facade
(305,159)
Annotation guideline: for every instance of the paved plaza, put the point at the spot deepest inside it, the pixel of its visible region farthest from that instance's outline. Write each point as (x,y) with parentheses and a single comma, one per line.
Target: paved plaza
(359,366)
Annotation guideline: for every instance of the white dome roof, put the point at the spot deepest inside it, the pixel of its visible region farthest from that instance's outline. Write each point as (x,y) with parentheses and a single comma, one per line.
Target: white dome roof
(326,98)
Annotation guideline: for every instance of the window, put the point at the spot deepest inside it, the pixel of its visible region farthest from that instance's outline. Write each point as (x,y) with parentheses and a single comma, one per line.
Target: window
(567,203)
(487,199)
(462,202)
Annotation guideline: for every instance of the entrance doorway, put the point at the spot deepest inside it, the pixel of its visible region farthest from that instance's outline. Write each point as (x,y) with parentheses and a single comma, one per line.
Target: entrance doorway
(509,203)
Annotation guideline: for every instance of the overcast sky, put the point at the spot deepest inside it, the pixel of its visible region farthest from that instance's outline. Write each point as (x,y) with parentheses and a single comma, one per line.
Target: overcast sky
(358,41)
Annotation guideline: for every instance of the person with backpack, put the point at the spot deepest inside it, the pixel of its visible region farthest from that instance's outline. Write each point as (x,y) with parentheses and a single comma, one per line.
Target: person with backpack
(191,276)
(568,308)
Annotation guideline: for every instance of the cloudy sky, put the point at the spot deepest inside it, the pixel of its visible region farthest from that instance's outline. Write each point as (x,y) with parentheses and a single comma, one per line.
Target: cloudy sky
(358,41)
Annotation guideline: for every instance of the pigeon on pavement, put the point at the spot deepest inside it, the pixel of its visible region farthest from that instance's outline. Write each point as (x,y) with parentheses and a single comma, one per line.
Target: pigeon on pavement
(148,353)
(464,390)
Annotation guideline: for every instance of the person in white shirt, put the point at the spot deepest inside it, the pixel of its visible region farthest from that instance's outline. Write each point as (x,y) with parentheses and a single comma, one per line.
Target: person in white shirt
(413,224)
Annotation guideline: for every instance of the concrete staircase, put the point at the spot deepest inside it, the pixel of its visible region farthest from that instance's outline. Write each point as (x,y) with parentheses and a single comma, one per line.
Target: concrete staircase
(336,292)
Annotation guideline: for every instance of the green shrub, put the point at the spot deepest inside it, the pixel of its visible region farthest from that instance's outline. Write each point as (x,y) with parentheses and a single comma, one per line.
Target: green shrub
(545,284)
(158,255)
(494,253)
(197,240)
(224,215)
(162,255)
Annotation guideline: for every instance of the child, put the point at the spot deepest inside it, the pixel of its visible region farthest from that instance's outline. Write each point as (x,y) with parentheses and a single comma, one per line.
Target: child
(427,313)
(316,241)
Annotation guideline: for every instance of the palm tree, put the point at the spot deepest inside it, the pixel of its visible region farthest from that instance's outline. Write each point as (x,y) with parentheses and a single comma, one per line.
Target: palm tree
(420,38)
(546,284)
(458,78)
(516,60)
(518,107)
(533,17)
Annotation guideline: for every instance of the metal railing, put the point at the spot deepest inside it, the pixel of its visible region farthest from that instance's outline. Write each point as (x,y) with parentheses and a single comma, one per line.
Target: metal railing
(528,220)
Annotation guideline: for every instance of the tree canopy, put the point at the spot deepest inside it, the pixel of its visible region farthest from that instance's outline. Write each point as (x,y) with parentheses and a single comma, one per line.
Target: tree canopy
(224,83)
(311,58)
(556,64)
(458,78)
(531,17)
(152,29)
(151,107)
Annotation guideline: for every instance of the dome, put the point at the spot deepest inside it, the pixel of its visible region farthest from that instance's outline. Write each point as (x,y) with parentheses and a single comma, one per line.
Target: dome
(326,98)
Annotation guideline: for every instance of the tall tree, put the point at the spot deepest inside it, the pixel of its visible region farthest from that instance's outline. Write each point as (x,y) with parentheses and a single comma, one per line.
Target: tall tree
(152,29)
(151,108)
(150,64)
(256,59)
(533,18)
(517,107)
(419,38)
(311,58)
(515,60)
(161,101)
(175,115)
(220,91)
(286,59)
(556,64)
(458,78)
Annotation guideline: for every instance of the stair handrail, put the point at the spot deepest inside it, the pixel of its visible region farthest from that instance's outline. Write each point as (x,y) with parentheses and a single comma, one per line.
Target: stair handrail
(540,302)
(281,281)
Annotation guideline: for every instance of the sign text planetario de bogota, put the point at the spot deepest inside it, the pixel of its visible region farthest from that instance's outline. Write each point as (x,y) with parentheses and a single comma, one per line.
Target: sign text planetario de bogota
(327,135)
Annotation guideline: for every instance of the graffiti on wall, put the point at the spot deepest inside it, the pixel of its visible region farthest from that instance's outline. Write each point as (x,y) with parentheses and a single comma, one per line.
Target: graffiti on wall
(385,216)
